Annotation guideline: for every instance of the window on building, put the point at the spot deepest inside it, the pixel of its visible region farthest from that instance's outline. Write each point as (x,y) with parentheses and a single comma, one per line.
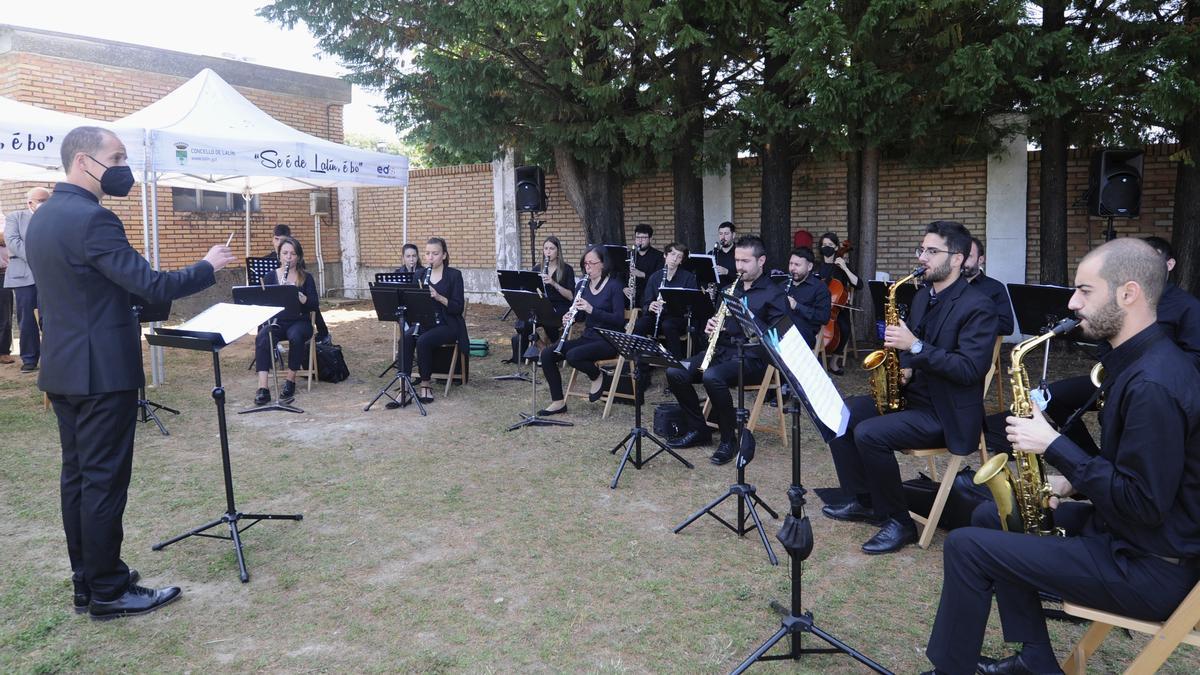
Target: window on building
(210,201)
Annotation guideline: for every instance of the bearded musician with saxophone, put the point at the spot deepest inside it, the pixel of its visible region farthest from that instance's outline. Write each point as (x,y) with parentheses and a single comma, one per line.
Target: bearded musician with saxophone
(717,366)
(1135,548)
(928,380)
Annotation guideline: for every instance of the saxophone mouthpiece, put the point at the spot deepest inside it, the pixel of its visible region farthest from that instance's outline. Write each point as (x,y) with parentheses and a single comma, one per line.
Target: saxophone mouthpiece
(1065,326)
(920,271)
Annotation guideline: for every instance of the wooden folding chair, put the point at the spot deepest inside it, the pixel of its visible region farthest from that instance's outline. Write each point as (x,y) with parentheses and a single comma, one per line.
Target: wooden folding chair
(458,370)
(1183,626)
(771,381)
(311,371)
(618,365)
(929,524)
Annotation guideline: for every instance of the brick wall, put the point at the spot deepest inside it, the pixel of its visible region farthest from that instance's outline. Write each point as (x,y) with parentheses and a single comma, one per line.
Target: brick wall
(1085,232)
(107,93)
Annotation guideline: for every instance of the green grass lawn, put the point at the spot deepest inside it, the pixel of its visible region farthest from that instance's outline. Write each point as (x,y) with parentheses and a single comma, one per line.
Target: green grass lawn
(443,543)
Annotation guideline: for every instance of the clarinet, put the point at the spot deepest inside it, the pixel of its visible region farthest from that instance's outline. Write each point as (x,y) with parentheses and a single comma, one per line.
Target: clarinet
(570,316)
(437,319)
(658,317)
(632,278)
(545,272)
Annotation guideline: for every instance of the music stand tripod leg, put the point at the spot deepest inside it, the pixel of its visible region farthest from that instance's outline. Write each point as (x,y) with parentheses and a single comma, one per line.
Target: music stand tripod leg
(633,440)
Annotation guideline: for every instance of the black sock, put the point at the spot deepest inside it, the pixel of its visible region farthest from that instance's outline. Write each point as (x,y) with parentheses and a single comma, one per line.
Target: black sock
(1039,657)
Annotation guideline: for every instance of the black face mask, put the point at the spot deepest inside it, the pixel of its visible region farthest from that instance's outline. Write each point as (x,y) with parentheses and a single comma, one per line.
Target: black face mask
(116,181)
(828,251)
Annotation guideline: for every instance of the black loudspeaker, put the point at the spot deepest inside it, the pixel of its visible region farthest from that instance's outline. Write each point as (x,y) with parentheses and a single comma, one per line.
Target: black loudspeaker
(1115,183)
(531,189)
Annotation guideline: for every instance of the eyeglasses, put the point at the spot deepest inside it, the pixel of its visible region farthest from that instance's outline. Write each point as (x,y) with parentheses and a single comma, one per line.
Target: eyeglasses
(921,251)
(589,263)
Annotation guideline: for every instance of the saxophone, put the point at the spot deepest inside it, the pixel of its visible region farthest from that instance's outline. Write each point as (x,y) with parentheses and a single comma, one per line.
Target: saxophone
(884,364)
(1023,498)
(720,317)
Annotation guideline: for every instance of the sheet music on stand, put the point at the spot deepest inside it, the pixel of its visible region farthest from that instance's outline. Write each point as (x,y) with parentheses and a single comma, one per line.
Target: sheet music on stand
(230,321)
(802,369)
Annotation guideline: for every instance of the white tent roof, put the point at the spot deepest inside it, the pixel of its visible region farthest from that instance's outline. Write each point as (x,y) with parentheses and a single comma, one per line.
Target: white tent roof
(207,135)
(31,137)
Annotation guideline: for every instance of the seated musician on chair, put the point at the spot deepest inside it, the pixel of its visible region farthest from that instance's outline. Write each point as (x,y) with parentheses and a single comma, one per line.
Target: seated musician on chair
(602,298)
(766,299)
(670,276)
(278,234)
(947,352)
(445,286)
(1135,548)
(809,302)
(296,328)
(410,261)
(559,279)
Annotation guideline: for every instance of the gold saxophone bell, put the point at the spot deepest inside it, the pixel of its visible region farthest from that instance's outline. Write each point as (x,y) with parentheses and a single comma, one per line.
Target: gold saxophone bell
(1097,377)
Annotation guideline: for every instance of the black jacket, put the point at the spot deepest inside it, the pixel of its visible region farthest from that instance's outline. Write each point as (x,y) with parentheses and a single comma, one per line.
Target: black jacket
(999,296)
(813,307)
(86,271)
(451,286)
(682,279)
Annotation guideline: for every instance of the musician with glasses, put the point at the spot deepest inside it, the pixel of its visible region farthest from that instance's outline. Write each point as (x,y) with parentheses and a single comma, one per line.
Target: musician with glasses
(1134,549)
(646,259)
(766,300)
(600,304)
(945,351)
(672,275)
(559,279)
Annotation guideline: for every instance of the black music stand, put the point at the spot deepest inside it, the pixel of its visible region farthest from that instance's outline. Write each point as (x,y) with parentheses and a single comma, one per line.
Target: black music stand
(525,281)
(407,307)
(904,297)
(257,269)
(396,278)
(745,493)
(537,311)
(796,532)
(704,266)
(286,298)
(145,311)
(213,342)
(691,303)
(639,351)
(1040,306)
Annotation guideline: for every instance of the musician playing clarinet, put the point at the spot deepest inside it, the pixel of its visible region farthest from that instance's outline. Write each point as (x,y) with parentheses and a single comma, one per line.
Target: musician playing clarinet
(295,328)
(808,298)
(672,275)
(600,297)
(411,261)
(559,279)
(445,286)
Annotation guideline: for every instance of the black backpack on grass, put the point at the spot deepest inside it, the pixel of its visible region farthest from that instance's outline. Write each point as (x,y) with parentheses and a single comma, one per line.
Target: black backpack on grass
(331,365)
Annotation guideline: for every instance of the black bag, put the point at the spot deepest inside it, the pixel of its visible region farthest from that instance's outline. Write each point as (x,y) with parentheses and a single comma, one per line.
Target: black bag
(668,420)
(331,365)
(964,497)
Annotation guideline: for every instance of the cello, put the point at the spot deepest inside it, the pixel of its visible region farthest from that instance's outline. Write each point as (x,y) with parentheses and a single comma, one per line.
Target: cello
(839,296)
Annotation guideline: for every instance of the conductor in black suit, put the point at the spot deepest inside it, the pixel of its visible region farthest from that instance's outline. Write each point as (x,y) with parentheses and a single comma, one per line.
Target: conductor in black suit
(91,361)
(946,350)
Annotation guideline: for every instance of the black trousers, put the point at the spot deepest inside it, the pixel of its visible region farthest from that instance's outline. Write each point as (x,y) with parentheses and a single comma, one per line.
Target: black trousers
(1083,567)
(720,378)
(6,314)
(865,456)
(581,354)
(297,333)
(524,331)
(31,334)
(1066,396)
(96,433)
(672,328)
(424,345)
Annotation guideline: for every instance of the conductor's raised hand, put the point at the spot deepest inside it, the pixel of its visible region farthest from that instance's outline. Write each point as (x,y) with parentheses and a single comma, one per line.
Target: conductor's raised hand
(898,337)
(219,256)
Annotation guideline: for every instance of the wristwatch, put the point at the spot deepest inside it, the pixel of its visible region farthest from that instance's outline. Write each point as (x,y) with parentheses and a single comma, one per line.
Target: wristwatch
(916,347)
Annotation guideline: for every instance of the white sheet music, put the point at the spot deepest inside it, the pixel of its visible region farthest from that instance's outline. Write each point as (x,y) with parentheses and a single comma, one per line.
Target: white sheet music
(229,320)
(822,394)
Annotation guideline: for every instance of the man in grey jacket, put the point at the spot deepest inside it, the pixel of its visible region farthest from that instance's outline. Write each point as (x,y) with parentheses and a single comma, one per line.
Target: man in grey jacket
(19,277)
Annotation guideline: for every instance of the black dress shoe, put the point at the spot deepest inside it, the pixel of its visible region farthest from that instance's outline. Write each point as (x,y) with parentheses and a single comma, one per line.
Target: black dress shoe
(723,454)
(892,537)
(289,392)
(546,411)
(594,396)
(691,439)
(262,396)
(1012,665)
(136,600)
(852,512)
(84,598)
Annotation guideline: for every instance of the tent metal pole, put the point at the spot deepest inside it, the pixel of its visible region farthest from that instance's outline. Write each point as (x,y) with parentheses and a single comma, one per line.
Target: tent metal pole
(246,203)
(320,258)
(157,371)
(405,219)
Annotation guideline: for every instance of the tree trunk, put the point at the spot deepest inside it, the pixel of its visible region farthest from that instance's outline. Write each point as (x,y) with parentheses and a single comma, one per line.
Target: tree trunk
(687,181)
(854,196)
(776,200)
(597,196)
(868,239)
(1052,230)
(1185,221)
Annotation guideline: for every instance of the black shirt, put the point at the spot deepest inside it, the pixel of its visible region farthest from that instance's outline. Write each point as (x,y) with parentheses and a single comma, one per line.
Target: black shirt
(828,271)
(1145,483)
(308,288)
(768,303)
(647,262)
(813,306)
(1179,316)
(608,307)
(682,279)
(725,259)
(557,301)
(999,296)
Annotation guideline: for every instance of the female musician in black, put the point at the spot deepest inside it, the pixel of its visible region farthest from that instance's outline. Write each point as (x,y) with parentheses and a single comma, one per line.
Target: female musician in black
(411,260)
(602,298)
(672,275)
(834,266)
(295,328)
(559,278)
(445,286)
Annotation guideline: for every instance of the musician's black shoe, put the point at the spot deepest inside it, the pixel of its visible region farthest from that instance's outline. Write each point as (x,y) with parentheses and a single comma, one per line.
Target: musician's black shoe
(546,411)
(723,455)
(427,399)
(853,512)
(594,396)
(892,537)
(136,600)
(262,396)
(289,392)
(691,439)
(1012,665)
(83,597)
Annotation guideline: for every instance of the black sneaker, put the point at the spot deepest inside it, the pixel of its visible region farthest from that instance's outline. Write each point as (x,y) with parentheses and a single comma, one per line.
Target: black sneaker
(28,367)
(289,392)
(262,396)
